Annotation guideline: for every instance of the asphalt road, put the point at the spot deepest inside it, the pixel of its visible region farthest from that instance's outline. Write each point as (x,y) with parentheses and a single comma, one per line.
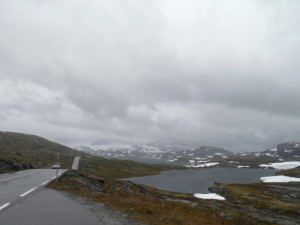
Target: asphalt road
(25,201)
(16,186)
(48,207)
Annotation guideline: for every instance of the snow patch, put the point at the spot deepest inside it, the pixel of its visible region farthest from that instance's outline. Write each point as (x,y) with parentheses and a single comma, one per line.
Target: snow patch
(282,165)
(218,153)
(279,179)
(243,166)
(171,160)
(205,165)
(209,196)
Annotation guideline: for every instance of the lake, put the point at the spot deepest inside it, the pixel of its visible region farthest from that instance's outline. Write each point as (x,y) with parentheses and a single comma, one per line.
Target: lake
(199,180)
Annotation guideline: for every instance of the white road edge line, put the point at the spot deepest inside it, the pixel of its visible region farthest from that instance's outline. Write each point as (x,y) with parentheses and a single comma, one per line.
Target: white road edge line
(27,192)
(5,205)
(45,182)
(58,175)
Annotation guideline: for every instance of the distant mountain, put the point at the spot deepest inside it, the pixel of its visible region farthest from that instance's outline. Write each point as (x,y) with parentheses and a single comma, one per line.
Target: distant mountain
(168,153)
(206,151)
(283,151)
(154,151)
(120,150)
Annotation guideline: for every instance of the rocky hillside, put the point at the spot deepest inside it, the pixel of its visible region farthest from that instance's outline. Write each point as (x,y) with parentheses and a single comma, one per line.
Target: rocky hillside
(288,150)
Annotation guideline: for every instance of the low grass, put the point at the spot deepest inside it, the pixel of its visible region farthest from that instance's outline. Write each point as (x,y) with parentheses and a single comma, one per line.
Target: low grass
(245,203)
(114,168)
(263,197)
(295,172)
(145,205)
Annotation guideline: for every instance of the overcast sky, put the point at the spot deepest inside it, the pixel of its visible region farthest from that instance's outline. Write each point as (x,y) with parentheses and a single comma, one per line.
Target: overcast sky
(200,72)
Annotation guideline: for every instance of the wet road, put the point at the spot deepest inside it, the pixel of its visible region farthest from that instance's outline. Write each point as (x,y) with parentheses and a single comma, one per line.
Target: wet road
(25,201)
(15,186)
(47,207)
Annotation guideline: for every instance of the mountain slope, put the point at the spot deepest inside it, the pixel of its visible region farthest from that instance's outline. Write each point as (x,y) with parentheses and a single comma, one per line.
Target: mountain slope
(22,151)
(285,150)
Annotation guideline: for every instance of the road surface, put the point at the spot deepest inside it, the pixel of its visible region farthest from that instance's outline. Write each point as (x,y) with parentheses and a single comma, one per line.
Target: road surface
(47,207)
(14,187)
(25,201)
(75,163)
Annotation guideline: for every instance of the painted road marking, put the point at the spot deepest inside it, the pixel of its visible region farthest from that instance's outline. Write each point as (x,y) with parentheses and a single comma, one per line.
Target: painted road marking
(27,192)
(5,205)
(45,182)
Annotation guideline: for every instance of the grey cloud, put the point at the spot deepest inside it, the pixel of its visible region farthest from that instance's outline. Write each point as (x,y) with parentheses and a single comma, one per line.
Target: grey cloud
(197,72)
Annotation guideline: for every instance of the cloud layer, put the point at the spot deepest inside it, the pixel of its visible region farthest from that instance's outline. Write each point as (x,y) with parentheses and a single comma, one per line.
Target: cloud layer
(196,72)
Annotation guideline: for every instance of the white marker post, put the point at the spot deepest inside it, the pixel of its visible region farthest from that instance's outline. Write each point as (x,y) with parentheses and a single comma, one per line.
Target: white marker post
(57,166)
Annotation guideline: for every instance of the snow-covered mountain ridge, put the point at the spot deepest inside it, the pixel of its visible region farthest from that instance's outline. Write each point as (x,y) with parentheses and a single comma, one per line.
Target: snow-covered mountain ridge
(157,151)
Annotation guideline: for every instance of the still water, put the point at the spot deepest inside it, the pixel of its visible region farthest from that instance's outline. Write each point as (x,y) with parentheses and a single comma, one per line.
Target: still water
(199,180)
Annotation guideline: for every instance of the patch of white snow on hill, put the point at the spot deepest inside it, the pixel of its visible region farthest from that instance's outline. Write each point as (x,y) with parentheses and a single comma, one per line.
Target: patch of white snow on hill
(171,160)
(205,165)
(279,179)
(273,149)
(297,145)
(218,153)
(243,166)
(282,165)
(209,196)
